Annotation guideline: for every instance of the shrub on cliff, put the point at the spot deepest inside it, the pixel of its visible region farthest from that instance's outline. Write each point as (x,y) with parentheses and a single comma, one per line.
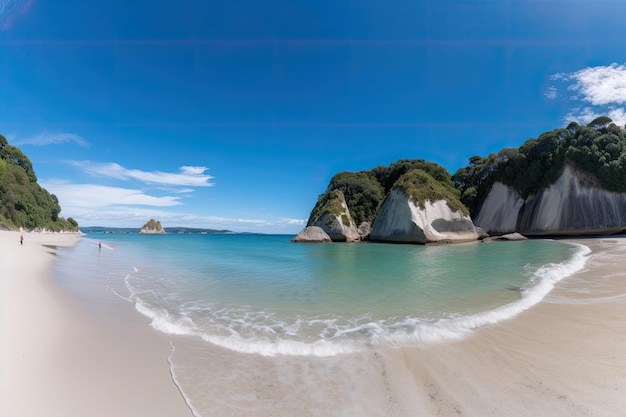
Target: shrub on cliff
(362,192)
(420,187)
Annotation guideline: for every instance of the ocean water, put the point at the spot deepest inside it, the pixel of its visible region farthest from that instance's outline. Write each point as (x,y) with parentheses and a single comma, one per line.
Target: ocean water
(263,294)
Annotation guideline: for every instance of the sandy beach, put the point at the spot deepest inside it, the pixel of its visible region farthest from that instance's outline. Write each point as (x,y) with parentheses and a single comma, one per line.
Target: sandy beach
(565,356)
(60,358)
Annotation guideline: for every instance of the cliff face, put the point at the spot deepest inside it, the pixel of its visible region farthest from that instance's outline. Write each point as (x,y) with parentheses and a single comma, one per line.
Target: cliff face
(401,220)
(333,217)
(570,206)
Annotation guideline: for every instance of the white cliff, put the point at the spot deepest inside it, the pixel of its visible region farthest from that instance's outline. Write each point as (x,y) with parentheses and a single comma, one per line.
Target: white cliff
(312,234)
(335,219)
(401,220)
(570,206)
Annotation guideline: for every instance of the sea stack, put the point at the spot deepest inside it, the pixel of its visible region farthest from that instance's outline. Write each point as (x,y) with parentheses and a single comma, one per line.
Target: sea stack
(153,227)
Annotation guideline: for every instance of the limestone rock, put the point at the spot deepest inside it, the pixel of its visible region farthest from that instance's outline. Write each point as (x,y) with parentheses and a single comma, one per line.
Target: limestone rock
(508,236)
(481,233)
(312,234)
(153,227)
(364,230)
(401,220)
(331,214)
(570,206)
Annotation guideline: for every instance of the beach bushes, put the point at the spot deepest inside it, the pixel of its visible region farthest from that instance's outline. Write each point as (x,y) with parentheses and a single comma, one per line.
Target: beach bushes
(23,202)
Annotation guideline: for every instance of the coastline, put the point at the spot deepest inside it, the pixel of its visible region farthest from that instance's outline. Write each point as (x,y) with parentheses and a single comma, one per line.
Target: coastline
(564,356)
(58,358)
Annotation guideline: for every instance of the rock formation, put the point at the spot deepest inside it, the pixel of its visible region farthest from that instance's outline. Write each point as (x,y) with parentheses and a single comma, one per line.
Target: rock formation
(401,220)
(573,205)
(312,234)
(153,227)
(507,237)
(331,214)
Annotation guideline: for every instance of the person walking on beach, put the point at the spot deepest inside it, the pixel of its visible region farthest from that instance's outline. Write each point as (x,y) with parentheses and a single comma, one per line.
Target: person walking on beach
(21,239)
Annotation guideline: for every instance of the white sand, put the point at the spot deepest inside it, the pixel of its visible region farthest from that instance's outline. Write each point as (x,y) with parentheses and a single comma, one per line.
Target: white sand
(58,360)
(564,357)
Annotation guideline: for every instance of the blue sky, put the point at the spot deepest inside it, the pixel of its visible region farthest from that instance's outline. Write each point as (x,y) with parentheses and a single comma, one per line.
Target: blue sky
(236,114)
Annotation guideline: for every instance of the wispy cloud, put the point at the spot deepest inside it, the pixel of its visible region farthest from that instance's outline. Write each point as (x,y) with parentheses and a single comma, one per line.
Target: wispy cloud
(10,10)
(53,139)
(593,92)
(189,176)
(551,92)
(92,196)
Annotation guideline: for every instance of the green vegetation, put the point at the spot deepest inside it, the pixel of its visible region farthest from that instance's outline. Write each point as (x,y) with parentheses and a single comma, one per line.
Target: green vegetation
(153,225)
(598,149)
(365,191)
(420,186)
(362,192)
(328,203)
(23,203)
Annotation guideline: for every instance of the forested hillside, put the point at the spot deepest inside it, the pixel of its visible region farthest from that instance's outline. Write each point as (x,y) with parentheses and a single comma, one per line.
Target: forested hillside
(599,149)
(23,203)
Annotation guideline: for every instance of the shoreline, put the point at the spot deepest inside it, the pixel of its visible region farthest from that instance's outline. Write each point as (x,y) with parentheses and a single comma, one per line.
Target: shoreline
(58,358)
(564,356)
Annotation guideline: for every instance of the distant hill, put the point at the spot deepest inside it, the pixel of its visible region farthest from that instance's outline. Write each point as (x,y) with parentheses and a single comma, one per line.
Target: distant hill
(23,202)
(169,230)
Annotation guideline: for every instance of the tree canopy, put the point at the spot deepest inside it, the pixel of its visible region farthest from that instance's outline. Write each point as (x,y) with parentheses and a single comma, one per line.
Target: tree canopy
(599,149)
(23,203)
(365,191)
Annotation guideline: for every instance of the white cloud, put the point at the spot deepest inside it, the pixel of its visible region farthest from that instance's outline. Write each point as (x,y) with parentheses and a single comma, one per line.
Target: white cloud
(602,90)
(292,222)
(129,216)
(191,176)
(585,115)
(551,93)
(91,196)
(11,10)
(53,139)
(600,85)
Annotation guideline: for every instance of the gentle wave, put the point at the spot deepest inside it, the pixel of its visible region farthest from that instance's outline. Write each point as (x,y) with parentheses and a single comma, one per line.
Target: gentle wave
(329,336)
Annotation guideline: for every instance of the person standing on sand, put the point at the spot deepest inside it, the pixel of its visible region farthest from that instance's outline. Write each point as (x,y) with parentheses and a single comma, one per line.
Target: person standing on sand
(21,239)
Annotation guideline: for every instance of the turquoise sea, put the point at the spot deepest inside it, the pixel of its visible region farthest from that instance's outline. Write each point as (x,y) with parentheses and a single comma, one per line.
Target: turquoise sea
(263,294)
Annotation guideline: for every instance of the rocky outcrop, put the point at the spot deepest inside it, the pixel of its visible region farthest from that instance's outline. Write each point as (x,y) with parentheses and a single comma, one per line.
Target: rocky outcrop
(331,214)
(507,237)
(312,234)
(401,220)
(153,227)
(364,230)
(573,205)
